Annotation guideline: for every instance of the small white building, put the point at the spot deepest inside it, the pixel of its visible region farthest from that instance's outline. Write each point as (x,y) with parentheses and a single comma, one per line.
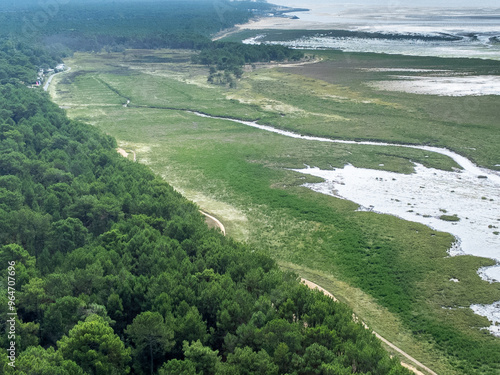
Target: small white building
(60,68)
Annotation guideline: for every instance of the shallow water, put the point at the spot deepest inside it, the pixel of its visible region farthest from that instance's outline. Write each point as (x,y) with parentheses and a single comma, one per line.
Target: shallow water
(472,194)
(445,85)
(477,26)
(424,197)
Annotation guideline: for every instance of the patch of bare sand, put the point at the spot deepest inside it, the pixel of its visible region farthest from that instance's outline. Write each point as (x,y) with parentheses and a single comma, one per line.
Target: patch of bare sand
(314,286)
(122,152)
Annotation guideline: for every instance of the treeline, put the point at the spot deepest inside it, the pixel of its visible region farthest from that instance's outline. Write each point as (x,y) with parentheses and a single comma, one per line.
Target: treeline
(117,273)
(229,57)
(19,61)
(117,26)
(129,19)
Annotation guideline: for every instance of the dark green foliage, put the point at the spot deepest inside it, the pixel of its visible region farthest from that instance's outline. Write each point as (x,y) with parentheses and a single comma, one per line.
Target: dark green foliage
(229,57)
(170,24)
(19,62)
(118,273)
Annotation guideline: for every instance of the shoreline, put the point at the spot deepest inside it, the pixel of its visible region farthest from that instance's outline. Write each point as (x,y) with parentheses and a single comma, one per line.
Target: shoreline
(471,39)
(274,23)
(473,171)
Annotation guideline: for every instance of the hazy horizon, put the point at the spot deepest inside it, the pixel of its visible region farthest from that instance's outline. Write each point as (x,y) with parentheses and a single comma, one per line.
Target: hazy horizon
(389,3)
(386,5)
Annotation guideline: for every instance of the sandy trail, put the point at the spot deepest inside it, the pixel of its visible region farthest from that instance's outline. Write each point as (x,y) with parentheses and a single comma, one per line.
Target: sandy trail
(227,32)
(215,221)
(312,285)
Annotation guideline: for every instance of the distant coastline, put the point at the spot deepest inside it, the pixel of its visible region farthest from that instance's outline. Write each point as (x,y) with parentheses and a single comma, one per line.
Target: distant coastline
(277,19)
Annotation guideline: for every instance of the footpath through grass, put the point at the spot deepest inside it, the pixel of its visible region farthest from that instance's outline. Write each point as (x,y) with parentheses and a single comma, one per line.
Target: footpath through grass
(241,174)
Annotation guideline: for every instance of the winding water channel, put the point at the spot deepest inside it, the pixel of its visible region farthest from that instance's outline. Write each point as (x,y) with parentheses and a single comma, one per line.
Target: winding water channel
(468,198)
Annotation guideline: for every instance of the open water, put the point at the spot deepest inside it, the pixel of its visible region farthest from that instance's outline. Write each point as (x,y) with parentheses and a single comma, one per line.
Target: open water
(476,27)
(470,31)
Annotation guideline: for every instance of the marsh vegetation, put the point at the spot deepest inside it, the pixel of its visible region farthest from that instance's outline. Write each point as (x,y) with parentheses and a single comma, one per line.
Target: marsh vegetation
(403,267)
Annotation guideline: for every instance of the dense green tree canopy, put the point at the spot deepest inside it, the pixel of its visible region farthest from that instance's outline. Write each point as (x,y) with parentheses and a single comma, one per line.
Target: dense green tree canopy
(118,273)
(115,270)
(94,346)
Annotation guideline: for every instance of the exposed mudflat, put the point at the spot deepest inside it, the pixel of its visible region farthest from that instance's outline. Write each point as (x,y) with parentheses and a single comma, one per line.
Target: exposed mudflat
(465,203)
(442,85)
(457,202)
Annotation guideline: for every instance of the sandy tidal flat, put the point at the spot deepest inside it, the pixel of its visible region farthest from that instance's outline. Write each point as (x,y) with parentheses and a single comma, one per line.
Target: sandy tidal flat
(427,196)
(443,85)
(424,197)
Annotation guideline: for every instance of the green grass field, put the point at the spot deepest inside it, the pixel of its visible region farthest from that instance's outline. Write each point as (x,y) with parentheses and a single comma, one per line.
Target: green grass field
(395,274)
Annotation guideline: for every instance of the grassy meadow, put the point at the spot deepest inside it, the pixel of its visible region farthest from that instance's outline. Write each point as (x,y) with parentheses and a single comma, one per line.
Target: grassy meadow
(394,274)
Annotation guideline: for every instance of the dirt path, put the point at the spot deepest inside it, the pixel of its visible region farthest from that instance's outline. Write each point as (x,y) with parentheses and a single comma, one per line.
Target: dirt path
(215,222)
(269,65)
(312,285)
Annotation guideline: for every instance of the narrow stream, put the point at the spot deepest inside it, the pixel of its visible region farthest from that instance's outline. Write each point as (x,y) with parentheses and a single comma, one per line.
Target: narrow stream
(472,194)
(465,163)
(465,203)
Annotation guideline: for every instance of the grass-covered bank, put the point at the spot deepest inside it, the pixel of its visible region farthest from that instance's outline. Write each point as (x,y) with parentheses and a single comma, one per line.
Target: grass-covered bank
(106,269)
(403,266)
(459,123)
